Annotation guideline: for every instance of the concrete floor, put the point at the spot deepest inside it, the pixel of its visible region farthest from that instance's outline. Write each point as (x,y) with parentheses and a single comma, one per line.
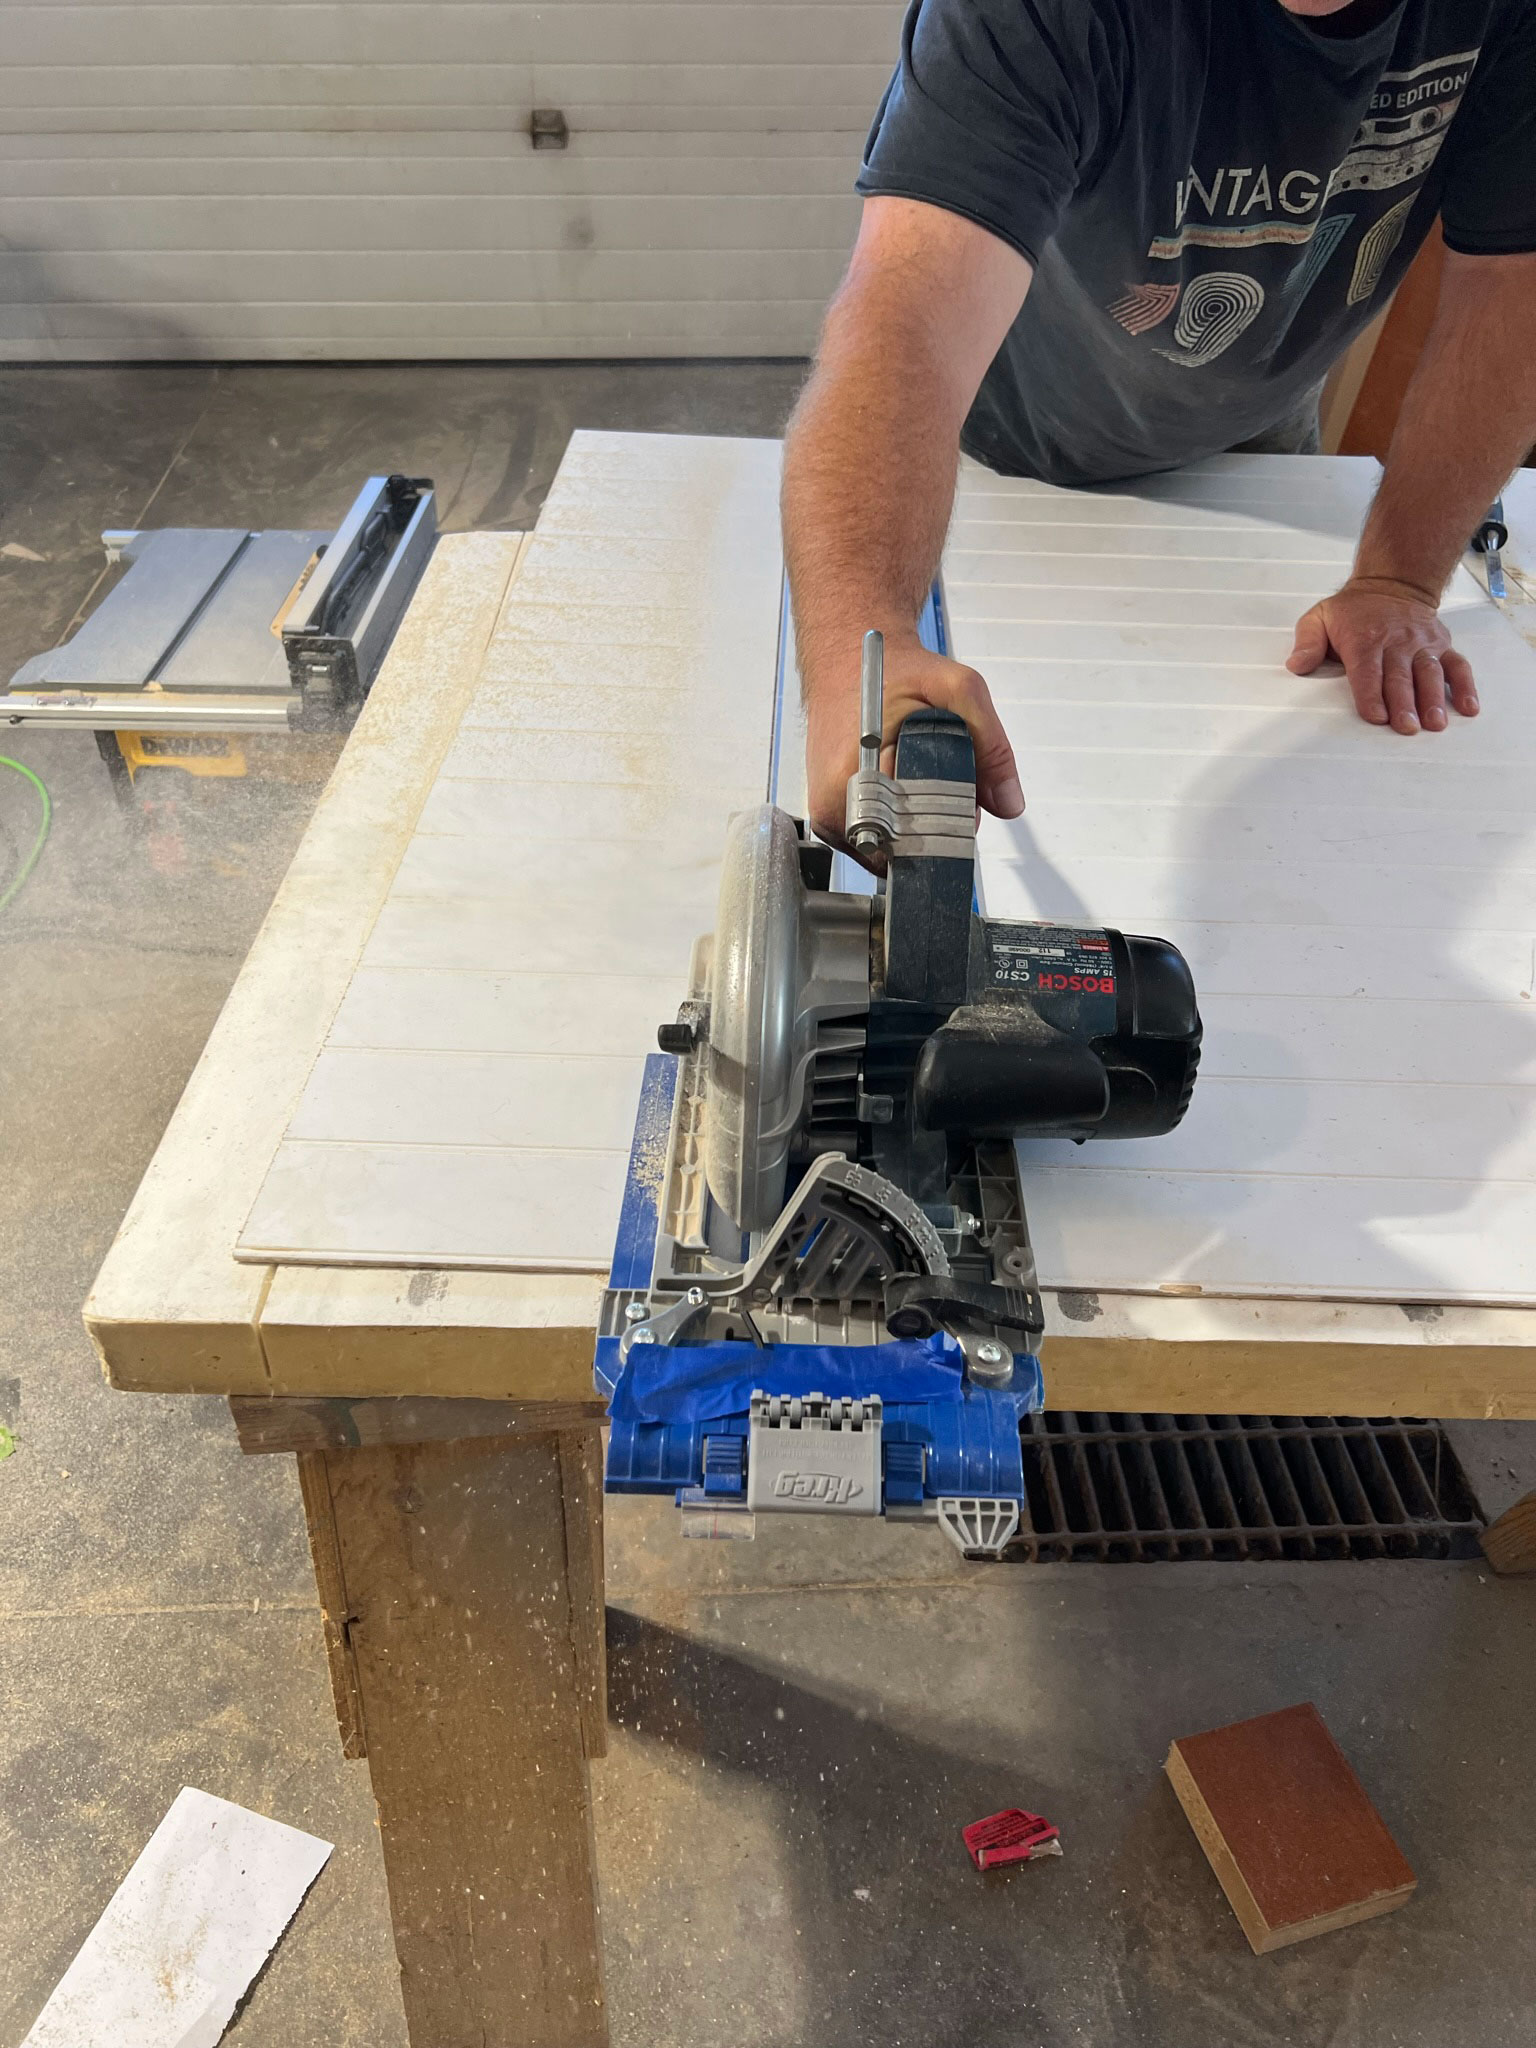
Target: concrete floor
(802,1724)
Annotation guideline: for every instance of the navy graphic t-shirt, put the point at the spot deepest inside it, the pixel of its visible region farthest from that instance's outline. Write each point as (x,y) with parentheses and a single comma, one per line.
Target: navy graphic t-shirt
(1215,197)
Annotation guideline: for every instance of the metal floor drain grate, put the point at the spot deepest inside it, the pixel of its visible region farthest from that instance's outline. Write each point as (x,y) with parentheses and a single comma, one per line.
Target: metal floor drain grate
(1152,1488)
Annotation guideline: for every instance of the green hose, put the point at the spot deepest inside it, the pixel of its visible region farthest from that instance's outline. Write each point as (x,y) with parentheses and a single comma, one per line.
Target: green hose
(42,831)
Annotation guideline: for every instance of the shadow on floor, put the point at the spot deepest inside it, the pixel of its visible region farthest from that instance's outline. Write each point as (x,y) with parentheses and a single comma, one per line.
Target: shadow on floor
(780,1817)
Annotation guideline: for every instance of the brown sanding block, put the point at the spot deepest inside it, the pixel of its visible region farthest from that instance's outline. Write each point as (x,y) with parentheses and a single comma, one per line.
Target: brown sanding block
(1297,1846)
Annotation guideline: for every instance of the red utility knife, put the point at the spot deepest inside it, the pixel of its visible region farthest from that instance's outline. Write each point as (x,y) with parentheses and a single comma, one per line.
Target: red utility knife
(1011,1836)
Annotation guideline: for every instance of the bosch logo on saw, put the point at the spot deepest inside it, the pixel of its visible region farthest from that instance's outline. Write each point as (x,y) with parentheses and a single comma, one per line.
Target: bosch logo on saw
(1078,984)
(829,1489)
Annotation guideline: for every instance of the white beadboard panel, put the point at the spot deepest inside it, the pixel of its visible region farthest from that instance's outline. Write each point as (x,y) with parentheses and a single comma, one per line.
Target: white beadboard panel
(474,1101)
(1323,521)
(1320,1128)
(1212,888)
(626,700)
(1314,834)
(989,631)
(1099,549)
(1307,1037)
(657,509)
(633,710)
(440,1205)
(669,761)
(1022,680)
(1426,772)
(1358,909)
(1190,611)
(567,932)
(366,1095)
(478,809)
(1432,1240)
(1213,481)
(410,1009)
(210,178)
(1052,576)
(508,867)
(1354,961)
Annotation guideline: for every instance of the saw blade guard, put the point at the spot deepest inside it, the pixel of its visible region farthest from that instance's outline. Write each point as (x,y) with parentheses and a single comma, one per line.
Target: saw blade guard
(784,958)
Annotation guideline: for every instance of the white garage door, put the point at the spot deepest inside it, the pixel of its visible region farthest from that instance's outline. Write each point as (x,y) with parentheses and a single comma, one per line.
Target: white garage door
(354,179)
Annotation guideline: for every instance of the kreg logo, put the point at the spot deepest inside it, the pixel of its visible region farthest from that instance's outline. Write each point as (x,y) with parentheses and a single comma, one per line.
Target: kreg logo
(829,1486)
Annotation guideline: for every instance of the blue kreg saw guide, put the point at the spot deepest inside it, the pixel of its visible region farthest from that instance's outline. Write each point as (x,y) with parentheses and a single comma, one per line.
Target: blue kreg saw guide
(680,1413)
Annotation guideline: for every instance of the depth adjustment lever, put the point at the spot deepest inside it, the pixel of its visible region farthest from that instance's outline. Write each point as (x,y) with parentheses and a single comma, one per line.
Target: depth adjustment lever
(917,1304)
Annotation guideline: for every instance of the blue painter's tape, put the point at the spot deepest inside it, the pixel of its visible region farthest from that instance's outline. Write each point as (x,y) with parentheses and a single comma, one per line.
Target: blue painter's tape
(700,1382)
(691,1383)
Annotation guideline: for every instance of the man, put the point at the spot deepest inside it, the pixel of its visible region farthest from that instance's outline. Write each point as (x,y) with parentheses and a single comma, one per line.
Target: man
(1105,237)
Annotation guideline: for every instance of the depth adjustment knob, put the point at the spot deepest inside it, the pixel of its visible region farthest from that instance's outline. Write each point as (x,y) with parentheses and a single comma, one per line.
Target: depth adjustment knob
(688,1033)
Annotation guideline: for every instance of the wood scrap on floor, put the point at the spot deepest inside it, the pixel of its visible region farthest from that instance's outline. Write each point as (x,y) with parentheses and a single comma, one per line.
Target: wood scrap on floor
(1295,1843)
(1509,1544)
(185,1933)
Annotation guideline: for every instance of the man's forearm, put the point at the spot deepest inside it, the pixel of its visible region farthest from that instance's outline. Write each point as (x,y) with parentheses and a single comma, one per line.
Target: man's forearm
(871,455)
(869,480)
(1468,420)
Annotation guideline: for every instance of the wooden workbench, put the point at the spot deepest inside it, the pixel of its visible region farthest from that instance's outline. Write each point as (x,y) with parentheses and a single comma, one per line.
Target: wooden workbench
(444,1419)
(457,1545)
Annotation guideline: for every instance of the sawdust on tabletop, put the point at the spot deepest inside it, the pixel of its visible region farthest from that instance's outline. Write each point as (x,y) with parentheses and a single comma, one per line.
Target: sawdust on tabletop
(648,1160)
(443,626)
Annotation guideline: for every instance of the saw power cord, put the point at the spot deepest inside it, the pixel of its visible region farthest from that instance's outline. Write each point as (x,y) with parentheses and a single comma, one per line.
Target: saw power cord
(31,860)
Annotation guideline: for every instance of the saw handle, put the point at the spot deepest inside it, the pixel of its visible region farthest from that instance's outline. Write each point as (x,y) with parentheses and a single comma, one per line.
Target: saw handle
(935,746)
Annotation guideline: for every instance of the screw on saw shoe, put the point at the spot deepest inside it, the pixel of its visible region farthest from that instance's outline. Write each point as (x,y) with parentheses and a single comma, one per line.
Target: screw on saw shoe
(635,1312)
(989,1363)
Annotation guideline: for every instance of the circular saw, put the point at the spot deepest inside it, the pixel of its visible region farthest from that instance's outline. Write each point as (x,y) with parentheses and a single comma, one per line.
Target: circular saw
(841,1192)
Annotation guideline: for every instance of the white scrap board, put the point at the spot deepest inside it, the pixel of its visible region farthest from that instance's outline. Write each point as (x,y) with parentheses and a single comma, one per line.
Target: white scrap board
(1358,909)
(474,1100)
(185,1933)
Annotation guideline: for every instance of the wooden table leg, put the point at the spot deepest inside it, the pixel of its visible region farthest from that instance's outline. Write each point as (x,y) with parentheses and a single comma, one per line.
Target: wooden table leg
(462,1584)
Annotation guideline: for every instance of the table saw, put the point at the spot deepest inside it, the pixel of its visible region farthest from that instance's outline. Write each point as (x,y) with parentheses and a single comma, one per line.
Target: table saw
(227,629)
